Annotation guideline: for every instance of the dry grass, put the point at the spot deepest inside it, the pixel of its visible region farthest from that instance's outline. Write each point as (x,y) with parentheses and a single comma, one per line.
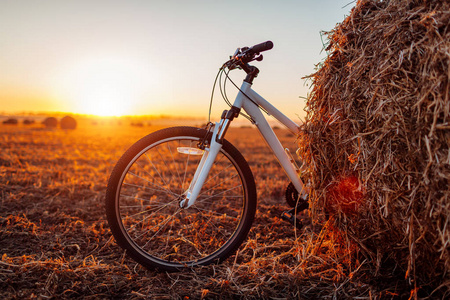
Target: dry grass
(55,242)
(378,142)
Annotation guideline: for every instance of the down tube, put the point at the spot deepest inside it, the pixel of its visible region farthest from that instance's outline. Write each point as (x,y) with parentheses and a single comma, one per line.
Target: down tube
(275,145)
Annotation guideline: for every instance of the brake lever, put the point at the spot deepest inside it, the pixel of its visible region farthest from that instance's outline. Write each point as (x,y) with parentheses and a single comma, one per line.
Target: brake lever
(238,50)
(241,55)
(231,64)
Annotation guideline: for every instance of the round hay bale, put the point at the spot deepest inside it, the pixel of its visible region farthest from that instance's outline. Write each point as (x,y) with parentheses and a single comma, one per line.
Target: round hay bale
(28,122)
(50,122)
(11,121)
(377,136)
(68,122)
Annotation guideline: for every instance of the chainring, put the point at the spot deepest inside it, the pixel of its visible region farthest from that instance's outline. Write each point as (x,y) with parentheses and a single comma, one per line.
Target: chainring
(293,199)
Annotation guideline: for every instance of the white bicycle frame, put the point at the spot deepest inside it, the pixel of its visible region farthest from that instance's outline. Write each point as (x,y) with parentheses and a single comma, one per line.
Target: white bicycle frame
(263,126)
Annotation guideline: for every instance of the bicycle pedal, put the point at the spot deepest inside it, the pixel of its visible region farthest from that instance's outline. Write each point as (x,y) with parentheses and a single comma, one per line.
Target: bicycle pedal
(290,217)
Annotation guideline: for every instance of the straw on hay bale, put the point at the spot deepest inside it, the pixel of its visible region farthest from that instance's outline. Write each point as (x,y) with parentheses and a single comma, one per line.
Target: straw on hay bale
(377,136)
(68,122)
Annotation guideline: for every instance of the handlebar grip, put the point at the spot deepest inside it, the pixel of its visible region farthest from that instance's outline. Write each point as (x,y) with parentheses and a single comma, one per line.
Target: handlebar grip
(262,47)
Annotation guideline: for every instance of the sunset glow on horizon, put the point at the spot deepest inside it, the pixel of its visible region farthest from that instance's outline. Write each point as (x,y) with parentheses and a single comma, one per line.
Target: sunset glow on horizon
(105,86)
(114,58)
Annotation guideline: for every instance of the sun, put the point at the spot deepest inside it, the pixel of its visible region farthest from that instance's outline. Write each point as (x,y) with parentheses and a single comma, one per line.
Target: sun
(106,86)
(106,90)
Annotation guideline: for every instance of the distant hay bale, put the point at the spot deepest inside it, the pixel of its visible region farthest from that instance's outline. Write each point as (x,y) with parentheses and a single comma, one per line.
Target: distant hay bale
(377,136)
(11,121)
(68,122)
(28,122)
(50,122)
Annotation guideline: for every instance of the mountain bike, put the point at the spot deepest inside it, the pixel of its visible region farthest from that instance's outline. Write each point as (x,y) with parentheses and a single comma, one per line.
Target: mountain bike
(182,197)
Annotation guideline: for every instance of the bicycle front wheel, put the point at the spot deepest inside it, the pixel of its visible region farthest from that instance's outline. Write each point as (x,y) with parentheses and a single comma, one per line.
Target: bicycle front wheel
(143,201)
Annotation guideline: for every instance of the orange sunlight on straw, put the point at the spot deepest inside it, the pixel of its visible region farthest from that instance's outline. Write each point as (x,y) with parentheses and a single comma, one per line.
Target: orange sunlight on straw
(347,194)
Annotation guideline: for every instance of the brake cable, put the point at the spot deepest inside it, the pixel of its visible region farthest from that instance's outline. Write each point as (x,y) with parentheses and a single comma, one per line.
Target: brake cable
(248,97)
(212,94)
(224,94)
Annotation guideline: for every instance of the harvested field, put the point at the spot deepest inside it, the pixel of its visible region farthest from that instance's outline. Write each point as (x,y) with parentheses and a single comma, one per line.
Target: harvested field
(55,242)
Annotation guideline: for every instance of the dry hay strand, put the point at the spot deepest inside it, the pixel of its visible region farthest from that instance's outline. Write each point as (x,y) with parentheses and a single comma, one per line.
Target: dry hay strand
(377,137)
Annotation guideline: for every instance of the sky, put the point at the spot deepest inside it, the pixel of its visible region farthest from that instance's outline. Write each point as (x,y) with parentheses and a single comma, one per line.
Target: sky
(149,57)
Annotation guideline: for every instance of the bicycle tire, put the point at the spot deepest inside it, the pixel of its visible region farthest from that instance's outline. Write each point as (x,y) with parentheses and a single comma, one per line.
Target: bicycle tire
(144,191)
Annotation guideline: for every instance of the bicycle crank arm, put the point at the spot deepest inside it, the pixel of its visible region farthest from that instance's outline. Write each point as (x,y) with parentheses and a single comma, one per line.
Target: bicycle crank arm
(208,158)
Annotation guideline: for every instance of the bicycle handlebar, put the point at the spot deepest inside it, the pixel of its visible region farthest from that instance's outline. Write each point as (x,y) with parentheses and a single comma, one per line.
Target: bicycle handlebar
(243,56)
(261,47)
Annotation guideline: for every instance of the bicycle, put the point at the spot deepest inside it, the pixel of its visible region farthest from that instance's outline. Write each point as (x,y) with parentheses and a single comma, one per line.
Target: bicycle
(182,197)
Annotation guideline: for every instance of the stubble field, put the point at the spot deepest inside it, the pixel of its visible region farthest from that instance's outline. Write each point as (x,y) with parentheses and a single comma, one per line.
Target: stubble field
(55,241)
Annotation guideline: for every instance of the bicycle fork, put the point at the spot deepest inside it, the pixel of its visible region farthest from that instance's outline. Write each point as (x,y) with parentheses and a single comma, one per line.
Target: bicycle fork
(208,158)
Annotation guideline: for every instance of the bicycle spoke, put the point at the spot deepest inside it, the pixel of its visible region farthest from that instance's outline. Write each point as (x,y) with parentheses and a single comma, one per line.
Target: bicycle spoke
(174,163)
(165,163)
(184,239)
(185,169)
(214,225)
(219,184)
(168,191)
(159,174)
(147,188)
(215,213)
(216,163)
(136,224)
(143,168)
(135,206)
(142,212)
(162,226)
(167,240)
(212,196)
